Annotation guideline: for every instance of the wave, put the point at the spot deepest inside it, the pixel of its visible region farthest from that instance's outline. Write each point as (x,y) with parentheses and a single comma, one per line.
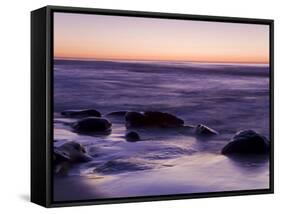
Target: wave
(162,67)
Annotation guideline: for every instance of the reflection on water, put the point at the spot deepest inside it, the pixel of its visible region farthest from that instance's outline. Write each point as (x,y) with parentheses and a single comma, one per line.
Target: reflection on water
(250,163)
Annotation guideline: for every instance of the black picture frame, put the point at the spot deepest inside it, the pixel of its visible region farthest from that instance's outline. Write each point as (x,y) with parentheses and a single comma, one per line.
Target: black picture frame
(42,101)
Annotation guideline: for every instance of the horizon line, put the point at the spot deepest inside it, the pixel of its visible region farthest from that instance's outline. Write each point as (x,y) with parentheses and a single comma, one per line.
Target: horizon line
(155,60)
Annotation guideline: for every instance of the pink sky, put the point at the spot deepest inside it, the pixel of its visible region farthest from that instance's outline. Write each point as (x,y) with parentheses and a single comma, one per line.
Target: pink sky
(116,37)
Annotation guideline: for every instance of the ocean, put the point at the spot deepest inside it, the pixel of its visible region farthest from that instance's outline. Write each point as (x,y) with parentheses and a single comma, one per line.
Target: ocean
(226,97)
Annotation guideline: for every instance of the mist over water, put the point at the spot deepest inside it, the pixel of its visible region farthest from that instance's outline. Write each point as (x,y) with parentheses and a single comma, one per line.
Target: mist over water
(225,97)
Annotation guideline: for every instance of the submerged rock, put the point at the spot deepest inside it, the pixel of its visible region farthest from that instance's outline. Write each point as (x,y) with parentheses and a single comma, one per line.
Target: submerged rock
(82,113)
(66,155)
(203,130)
(93,125)
(132,136)
(247,142)
(169,152)
(75,152)
(121,166)
(152,119)
(60,156)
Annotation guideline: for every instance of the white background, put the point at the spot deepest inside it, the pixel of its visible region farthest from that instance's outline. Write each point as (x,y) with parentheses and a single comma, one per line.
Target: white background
(15,105)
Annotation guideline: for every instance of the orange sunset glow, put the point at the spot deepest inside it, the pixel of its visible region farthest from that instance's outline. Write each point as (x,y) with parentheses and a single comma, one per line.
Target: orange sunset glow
(85,36)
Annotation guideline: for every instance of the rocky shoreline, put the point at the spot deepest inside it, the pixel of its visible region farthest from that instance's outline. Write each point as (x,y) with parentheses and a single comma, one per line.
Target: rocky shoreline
(92,122)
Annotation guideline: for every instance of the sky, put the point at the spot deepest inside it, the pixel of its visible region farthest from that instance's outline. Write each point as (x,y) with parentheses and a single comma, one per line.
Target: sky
(87,36)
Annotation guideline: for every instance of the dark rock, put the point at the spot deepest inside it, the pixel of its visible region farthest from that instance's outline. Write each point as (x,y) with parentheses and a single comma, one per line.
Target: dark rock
(61,162)
(203,130)
(134,119)
(117,113)
(247,142)
(73,152)
(92,125)
(152,119)
(81,113)
(132,136)
(68,154)
(60,156)
(155,118)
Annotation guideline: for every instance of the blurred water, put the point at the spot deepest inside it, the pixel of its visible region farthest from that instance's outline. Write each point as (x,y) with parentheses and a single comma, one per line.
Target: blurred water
(226,97)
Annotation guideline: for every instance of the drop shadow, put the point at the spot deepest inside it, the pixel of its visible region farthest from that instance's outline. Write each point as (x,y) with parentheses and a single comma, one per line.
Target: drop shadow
(25,197)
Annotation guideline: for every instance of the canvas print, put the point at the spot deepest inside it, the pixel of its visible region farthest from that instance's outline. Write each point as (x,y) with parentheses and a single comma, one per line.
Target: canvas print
(154,106)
